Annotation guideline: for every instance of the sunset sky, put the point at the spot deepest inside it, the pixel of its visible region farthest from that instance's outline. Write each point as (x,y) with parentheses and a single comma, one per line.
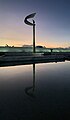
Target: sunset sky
(52,22)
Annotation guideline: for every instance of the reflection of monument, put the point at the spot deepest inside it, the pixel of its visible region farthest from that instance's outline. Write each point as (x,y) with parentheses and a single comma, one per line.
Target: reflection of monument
(30,90)
(31,24)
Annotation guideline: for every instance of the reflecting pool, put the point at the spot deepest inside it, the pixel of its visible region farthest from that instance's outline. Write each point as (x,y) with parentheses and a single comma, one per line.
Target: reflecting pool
(37,91)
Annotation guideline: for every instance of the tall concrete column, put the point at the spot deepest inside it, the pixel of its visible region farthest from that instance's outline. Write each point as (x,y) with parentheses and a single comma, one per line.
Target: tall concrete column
(33,36)
(31,24)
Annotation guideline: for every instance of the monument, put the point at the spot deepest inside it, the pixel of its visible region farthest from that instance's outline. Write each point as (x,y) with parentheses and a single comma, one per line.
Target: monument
(31,24)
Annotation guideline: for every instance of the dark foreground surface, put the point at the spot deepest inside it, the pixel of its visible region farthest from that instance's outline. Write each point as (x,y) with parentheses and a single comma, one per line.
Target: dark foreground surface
(38,91)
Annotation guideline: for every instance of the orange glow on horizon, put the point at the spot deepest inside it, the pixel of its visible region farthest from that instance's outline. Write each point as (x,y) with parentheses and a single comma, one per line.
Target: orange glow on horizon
(19,43)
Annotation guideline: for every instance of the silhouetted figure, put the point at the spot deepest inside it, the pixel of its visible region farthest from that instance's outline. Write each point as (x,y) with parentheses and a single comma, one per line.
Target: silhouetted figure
(51,50)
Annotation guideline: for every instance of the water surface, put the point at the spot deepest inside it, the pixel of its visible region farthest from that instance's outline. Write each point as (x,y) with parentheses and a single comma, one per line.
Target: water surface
(38,91)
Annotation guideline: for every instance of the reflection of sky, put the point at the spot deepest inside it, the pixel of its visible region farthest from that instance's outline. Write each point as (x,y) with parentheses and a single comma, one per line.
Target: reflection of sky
(16,72)
(54,70)
(52,91)
(15,77)
(52,19)
(26,71)
(46,75)
(53,78)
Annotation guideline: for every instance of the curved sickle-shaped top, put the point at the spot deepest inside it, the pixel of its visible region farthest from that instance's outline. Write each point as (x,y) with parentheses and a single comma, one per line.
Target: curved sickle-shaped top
(29,91)
(30,16)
